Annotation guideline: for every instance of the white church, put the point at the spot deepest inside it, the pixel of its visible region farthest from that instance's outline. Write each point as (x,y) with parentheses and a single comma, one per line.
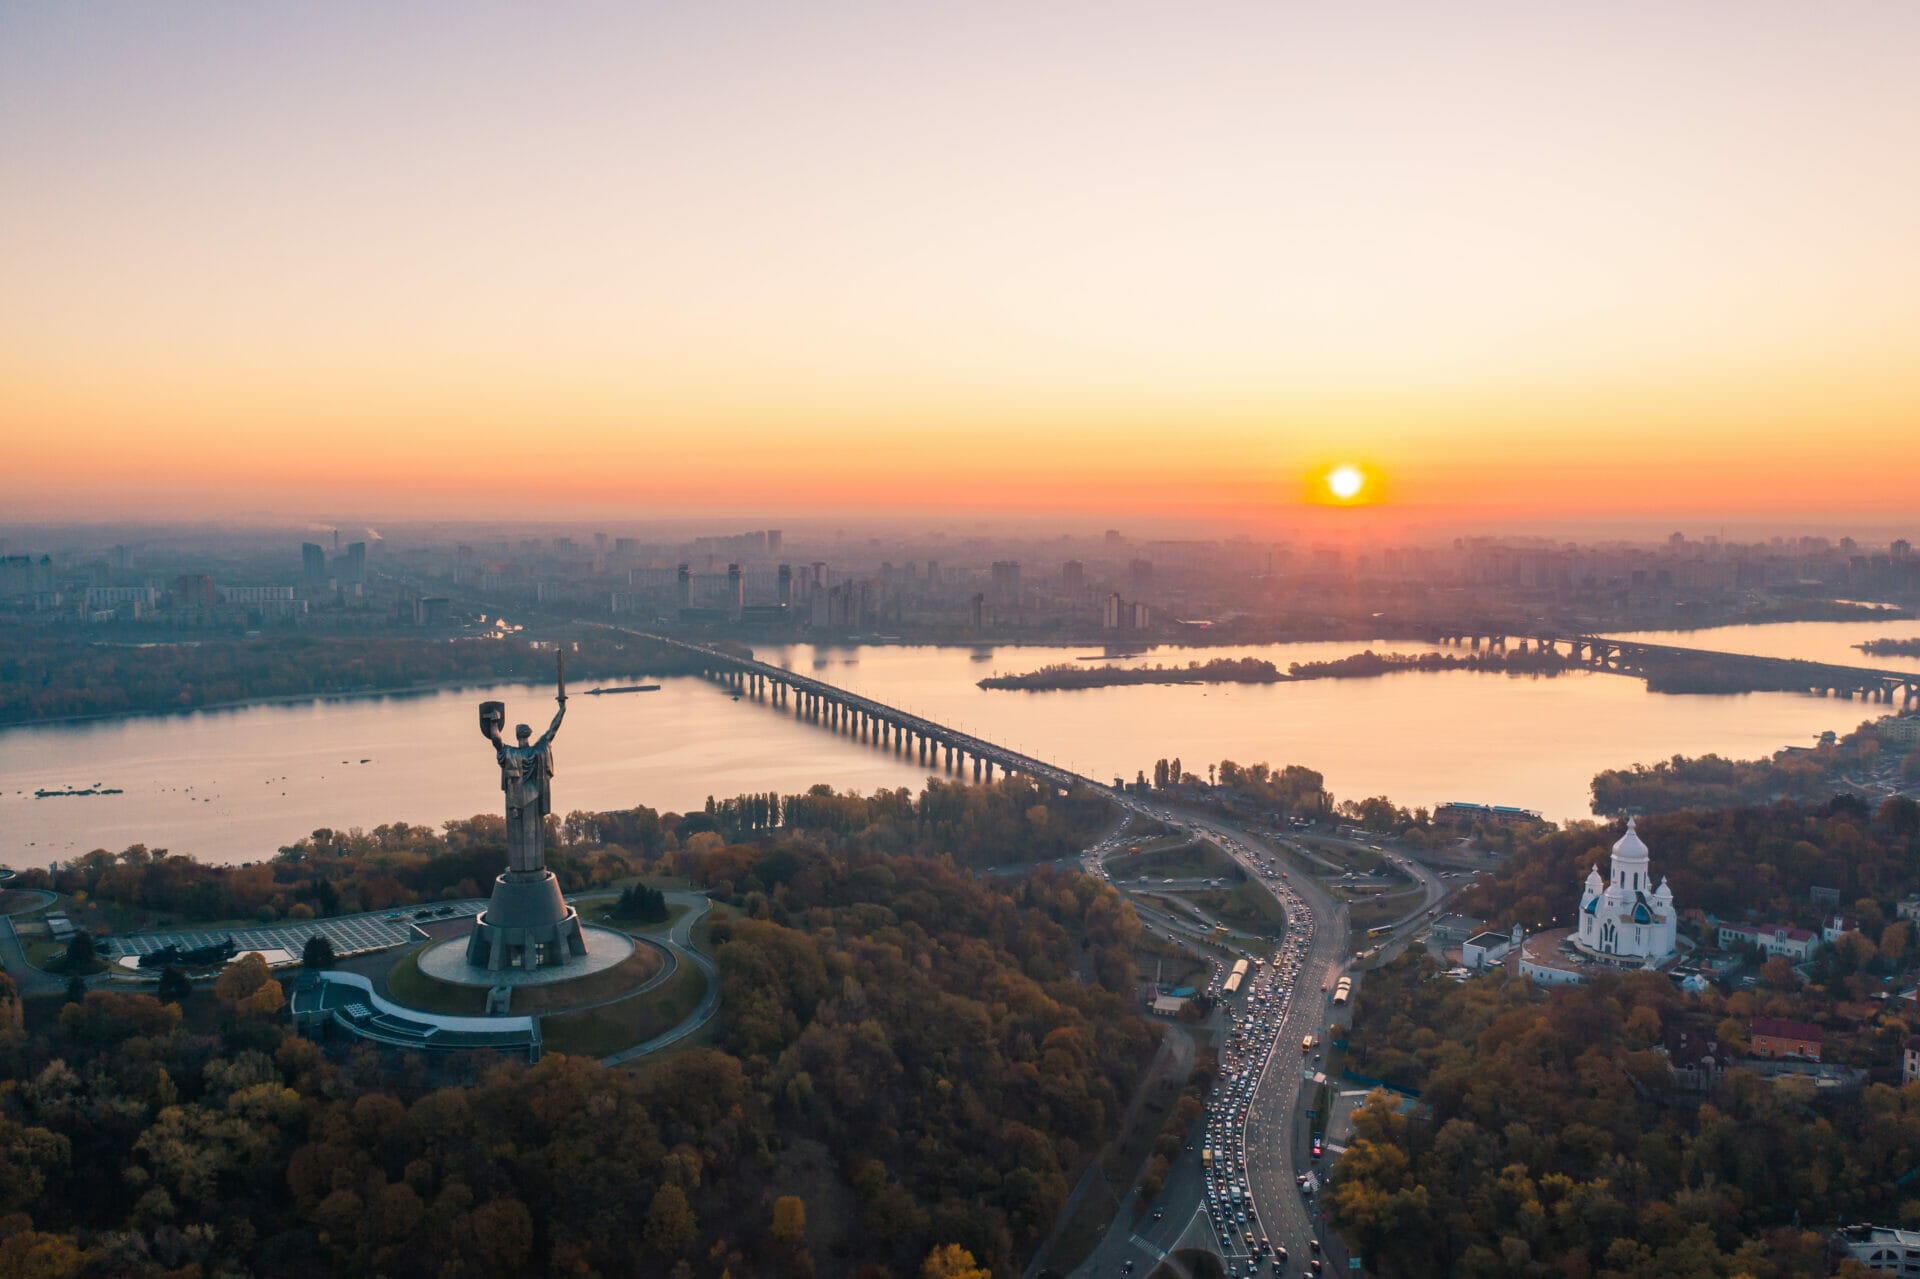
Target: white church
(1624,917)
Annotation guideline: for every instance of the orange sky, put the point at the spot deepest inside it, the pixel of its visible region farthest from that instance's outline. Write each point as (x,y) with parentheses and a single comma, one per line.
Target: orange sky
(1091,260)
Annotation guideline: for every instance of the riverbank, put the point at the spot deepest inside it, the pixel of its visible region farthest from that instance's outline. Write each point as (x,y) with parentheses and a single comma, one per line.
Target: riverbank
(422,689)
(53,680)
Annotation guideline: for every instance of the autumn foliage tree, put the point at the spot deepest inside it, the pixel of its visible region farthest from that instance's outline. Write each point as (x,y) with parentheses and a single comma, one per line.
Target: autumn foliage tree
(938,1052)
(951,1261)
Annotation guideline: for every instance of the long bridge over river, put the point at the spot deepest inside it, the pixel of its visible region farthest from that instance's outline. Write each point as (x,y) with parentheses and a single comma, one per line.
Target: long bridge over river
(1633,657)
(863,719)
(940,746)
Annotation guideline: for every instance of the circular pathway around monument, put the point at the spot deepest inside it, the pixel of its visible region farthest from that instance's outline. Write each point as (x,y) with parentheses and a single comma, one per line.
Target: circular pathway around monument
(447,962)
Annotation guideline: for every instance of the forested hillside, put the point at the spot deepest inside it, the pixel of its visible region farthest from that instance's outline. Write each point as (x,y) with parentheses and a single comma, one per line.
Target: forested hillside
(1726,861)
(1551,1140)
(907,1059)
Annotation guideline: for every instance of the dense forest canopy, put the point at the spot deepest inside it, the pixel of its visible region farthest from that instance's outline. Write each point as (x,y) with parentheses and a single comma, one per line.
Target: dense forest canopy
(1550,1136)
(1730,862)
(909,1062)
(1550,1139)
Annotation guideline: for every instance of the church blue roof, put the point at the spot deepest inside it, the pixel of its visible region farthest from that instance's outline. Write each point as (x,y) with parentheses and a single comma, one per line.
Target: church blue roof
(1592,906)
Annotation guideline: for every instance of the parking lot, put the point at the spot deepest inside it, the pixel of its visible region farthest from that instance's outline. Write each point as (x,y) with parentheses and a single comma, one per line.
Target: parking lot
(350,934)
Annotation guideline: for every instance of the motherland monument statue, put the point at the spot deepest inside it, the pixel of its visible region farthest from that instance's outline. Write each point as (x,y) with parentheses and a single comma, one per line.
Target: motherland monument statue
(526,774)
(527,923)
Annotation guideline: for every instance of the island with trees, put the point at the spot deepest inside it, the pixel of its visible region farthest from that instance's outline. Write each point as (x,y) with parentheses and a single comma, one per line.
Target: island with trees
(1252,670)
(1891,647)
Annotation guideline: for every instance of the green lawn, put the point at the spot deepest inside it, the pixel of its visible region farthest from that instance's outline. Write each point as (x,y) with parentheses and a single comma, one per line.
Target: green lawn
(47,955)
(597,1032)
(1188,860)
(407,985)
(1375,910)
(413,988)
(1244,906)
(602,913)
(636,969)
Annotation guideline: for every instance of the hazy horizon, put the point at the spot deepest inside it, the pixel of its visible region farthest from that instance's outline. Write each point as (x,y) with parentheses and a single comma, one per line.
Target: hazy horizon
(1547,266)
(1341,528)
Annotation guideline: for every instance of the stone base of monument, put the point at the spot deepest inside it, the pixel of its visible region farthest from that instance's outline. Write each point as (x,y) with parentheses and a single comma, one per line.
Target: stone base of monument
(527,925)
(446,962)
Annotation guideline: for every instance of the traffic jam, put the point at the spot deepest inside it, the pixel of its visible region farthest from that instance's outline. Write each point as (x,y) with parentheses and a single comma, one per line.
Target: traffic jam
(1255,994)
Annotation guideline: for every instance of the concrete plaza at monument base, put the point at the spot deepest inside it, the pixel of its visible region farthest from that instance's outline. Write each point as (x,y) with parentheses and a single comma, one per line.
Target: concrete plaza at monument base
(447,962)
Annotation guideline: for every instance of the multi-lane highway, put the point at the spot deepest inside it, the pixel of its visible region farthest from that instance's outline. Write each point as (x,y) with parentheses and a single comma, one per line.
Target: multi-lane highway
(1256,1128)
(1267,1150)
(1236,1194)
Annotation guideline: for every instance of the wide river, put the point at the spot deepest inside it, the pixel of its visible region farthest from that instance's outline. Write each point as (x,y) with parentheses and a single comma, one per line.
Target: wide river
(234,785)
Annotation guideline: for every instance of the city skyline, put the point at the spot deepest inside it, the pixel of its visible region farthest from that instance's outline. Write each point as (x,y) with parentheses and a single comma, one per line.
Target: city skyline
(1570,266)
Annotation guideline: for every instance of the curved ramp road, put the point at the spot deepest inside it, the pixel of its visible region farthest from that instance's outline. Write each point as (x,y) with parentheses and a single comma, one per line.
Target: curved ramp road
(679,943)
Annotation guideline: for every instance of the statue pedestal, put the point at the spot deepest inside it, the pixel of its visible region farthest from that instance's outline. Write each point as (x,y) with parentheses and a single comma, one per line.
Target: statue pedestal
(527,924)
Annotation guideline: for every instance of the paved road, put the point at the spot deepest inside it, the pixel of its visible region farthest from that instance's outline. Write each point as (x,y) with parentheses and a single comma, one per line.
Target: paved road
(1274,1150)
(32,899)
(680,943)
(30,981)
(1255,1121)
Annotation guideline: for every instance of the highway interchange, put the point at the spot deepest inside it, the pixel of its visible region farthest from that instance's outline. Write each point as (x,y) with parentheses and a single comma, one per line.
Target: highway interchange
(1252,1121)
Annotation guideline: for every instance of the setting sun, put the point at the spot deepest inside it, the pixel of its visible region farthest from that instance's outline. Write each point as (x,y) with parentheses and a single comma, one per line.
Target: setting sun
(1345,482)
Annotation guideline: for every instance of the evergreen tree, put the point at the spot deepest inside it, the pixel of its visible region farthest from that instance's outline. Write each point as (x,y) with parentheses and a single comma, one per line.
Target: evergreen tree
(318,955)
(174,986)
(80,952)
